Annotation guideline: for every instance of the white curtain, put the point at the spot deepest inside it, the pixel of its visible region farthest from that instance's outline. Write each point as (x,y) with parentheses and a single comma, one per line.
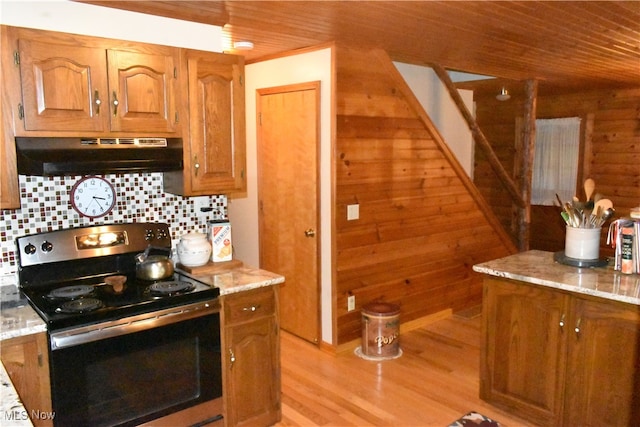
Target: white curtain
(555,166)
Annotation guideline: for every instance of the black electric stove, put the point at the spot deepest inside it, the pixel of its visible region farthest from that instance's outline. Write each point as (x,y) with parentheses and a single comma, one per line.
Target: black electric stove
(67,275)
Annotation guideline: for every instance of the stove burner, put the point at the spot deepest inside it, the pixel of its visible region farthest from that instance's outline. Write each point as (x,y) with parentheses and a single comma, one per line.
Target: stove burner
(80,305)
(170,288)
(70,292)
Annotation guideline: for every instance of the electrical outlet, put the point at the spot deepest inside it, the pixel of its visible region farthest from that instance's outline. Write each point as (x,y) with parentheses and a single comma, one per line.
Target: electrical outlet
(351,302)
(202,206)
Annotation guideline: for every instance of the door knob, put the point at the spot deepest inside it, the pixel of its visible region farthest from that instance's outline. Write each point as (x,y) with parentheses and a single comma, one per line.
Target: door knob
(310,232)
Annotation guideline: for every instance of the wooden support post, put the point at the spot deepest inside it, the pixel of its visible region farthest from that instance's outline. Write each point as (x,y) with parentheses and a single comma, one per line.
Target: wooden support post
(479,137)
(527,154)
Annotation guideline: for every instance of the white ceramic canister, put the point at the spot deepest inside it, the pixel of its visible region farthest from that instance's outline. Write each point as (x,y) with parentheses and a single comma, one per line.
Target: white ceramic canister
(194,249)
(582,243)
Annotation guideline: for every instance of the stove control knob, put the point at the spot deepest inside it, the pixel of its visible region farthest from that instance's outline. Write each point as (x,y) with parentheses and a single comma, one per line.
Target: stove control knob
(30,249)
(148,234)
(162,234)
(47,246)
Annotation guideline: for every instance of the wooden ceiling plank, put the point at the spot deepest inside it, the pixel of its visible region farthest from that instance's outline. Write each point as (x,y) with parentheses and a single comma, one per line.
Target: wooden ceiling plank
(567,42)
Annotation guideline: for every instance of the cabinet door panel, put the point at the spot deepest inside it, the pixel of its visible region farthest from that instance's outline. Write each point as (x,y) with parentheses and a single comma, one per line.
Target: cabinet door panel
(9,100)
(524,351)
(141,92)
(253,379)
(604,372)
(216,111)
(62,86)
(251,362)
(27,363)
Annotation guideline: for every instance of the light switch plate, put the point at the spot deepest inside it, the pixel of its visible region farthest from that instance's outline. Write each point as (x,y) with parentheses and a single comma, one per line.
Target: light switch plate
(351,302)
(353,212)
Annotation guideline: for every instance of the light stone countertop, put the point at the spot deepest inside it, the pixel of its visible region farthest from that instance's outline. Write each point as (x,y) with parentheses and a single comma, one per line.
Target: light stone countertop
(240,279)
(17,318)
(539,268)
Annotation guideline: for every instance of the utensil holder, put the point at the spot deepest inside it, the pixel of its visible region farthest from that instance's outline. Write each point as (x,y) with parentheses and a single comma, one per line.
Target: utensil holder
(582,243)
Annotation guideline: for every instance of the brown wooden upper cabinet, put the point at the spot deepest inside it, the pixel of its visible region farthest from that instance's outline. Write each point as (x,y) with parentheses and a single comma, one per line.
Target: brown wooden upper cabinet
(215,158)
(76,84)
(59,84)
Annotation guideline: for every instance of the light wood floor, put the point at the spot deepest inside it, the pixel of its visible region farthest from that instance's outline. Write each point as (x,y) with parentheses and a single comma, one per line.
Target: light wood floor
(434,382)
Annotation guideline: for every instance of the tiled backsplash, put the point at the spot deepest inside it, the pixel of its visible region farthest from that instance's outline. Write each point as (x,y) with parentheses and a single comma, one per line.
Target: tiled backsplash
(139,198)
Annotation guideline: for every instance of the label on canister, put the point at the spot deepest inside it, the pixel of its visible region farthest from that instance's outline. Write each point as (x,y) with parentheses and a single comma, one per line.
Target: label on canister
(220,237)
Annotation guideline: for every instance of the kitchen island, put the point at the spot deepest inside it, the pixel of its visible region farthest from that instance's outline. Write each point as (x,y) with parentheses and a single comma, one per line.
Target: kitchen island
(19,321)
(560,344)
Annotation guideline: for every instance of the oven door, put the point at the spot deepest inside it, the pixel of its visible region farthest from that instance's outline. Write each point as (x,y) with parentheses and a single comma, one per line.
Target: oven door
(133,370)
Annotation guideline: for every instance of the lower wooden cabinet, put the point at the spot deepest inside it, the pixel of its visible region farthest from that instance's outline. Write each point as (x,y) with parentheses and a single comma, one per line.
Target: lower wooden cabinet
(251,358)
(603,376)
(560,359)
(26,360)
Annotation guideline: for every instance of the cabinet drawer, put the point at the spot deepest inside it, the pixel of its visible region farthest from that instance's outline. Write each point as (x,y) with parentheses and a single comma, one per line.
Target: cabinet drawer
(249,305)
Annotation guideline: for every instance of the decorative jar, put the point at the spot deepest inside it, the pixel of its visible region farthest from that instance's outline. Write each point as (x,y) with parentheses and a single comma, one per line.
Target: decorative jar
(194,249)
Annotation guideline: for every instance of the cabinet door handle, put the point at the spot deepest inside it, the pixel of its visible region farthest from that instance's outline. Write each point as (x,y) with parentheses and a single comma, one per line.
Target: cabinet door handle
(232,357)
(98,102)
(577,328)
(310,232)
(115,103)
(562,321)
(196,165)
(251,308)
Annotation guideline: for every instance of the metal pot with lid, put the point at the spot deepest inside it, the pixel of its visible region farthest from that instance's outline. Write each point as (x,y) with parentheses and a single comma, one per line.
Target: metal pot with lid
(154,267)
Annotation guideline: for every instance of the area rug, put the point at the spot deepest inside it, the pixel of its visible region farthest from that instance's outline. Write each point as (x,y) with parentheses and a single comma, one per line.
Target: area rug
(474,419)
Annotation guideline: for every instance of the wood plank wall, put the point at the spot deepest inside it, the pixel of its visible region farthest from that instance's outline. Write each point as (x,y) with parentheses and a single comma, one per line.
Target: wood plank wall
(420,229)
(611,153)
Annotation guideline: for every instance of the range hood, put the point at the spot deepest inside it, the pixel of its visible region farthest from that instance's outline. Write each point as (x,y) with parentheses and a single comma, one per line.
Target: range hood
(84,156)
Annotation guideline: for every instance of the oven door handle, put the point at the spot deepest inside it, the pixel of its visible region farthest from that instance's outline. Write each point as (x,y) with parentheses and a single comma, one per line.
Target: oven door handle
(129,325)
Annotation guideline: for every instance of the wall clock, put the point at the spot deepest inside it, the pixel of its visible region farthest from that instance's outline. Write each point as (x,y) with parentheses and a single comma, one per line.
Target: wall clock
(93,196)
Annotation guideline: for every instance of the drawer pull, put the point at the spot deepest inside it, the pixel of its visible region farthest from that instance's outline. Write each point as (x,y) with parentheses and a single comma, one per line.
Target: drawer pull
(232,357)
(252,308)
(562,321)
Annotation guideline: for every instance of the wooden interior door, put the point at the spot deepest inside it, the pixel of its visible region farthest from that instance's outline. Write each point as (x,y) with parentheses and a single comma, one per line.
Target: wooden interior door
(288,129)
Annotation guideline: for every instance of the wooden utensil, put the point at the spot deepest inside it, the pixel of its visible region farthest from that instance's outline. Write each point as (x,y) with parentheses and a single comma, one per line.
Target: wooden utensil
(589,186)
(604,203)
(116,282)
